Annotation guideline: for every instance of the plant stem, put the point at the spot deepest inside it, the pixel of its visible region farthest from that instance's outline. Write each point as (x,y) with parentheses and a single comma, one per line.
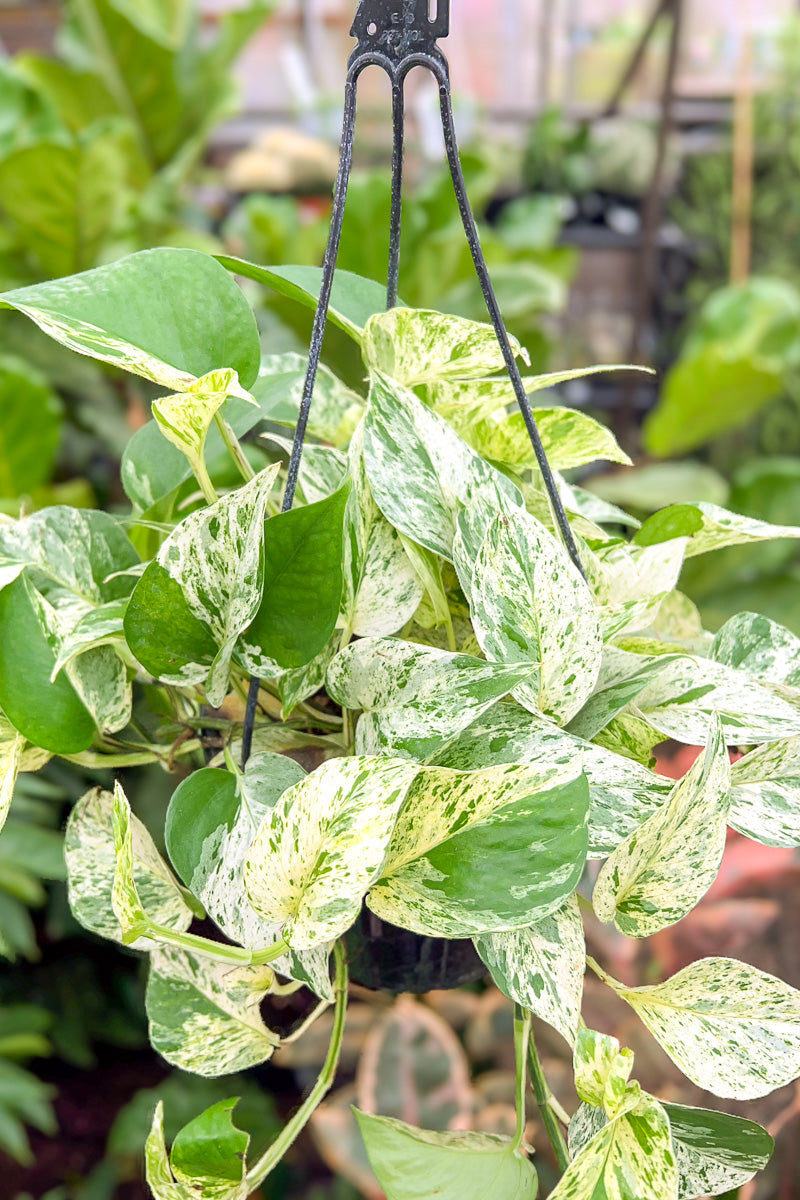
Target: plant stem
(204,479)
(599,972)
(217,951)
(234,446)
(541,1090)
(267,1163)
(522,1033)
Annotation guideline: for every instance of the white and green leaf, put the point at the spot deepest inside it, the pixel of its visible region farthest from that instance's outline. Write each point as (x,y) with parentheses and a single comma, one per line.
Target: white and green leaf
(413,697)
(418,346)
(91,867)
(602,1071)
(629,1158)
(732,1029)
(662,870)
(208,1159)
(204,1016)
(322,846)
(541,967)
(761,648)
(185,418)
(765,796)
(529,604)
(709,527)
(630,583)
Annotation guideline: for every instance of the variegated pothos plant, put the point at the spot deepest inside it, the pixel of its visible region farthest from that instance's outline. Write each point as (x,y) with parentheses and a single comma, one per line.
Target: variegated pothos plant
(482,716)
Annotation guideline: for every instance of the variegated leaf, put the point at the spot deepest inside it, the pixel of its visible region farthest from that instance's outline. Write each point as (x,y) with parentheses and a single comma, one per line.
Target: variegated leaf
(765,800)
(416,346)
(631,582)
(101,626)
(185,417)
(91,867)
(708,527)
(128,908)
(622,678)
(570,439)
(529,604)
(204,1016)
(716,1152)
(458,1165)
(10,760)
(212,820)
(335,410)
(476,853)
(660,872)
(421,472)
(759,647)
(208,1159)
(382,591)
(322,468)
(300,683)
(734,1030)
(215,557)
(82,551)
(629,1158)
(602,1071)
(322,846)
(682,699)
(541,967)
(623,793)
(412,697)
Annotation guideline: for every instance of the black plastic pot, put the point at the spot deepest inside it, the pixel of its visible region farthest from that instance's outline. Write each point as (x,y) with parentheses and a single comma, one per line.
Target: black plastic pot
(385,958)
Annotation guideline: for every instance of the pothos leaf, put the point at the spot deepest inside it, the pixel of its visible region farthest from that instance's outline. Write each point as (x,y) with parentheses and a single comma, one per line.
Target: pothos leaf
(454,1166)
(472,853)
(570,439)
(421,472)
(382,591)
(762,648)
(631,582)
(412,697)
(716,1152)
(708,527)
(660,872)
(622,679)
(202,591)
(170,315)
(208,1160)
(322,846)
(416,346)
(734,1030)
(765,796)
(212,819)
(185,418)
(91,865)
(602,1071)
(541,967)
(10,759)
(530,605)
(204,1016)
(629,1158)
(623,793)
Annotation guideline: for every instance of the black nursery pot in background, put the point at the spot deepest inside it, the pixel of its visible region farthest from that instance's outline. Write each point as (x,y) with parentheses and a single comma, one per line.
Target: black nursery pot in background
(385,958)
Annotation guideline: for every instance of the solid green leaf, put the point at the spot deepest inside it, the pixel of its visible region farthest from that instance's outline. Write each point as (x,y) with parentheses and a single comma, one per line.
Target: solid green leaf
(765,795)
(630,1158)
(732,1029)
(541,967)
(62,200)
(208,1159)
(48,712)
(204,1016)
(203,590)
(416,1164)
(716,1152)
(91,866)
(31,428)
(413,697)
(708,527)
(623,793)
(169,315)
(529,604)
(660,872)
(353,299)
(421,472)
(323,844)
(302,588)
(473,853)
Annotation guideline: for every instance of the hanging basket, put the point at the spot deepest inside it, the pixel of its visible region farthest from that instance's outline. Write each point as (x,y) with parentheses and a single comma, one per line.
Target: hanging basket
(385,958)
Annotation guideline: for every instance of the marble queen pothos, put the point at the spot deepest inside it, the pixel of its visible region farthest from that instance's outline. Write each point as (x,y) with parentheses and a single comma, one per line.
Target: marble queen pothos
(482,716)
